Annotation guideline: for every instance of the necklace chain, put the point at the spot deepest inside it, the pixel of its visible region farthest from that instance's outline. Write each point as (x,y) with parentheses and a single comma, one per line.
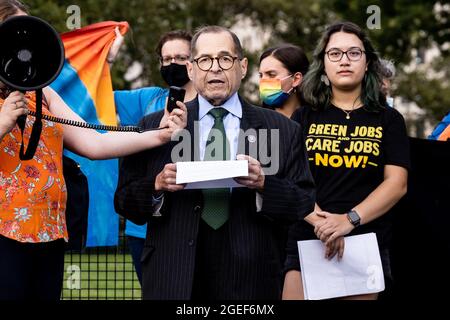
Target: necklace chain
(347,112)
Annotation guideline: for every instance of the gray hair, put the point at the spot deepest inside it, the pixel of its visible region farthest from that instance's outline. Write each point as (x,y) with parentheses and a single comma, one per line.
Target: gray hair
(217,29)
(388,69)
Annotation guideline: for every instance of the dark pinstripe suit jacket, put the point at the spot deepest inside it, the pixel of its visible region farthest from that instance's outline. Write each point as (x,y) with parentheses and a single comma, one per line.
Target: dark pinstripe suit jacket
(254,267)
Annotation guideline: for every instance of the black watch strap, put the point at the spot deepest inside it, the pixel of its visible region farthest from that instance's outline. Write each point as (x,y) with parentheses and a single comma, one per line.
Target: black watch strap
(354,218)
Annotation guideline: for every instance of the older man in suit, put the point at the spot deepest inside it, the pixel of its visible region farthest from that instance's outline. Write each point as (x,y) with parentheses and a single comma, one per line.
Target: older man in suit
(218,244)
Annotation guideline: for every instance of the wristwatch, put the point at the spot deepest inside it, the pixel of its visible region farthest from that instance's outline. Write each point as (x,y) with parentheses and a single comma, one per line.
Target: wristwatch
(354,218)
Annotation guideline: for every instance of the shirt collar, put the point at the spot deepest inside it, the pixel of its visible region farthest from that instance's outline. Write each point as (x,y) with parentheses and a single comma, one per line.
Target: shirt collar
(232,105)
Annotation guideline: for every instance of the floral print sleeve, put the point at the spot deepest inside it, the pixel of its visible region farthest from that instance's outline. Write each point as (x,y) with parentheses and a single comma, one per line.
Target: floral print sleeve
(33,193)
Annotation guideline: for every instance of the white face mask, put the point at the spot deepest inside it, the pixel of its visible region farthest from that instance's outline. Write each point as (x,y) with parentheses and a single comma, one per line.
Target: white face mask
(390,101)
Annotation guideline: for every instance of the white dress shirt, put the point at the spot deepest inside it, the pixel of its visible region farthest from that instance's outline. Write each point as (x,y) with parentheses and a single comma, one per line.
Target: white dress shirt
(231,122)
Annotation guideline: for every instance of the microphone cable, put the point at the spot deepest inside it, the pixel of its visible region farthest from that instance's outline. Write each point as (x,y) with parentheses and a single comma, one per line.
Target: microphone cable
(93,126)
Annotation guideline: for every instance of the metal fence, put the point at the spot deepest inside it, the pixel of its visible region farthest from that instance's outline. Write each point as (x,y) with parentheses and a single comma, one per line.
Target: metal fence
(102,273)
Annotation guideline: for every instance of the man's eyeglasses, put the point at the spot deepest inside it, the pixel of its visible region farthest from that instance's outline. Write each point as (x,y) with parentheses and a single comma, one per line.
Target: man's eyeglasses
(179,58)
(353,54)
(225,62)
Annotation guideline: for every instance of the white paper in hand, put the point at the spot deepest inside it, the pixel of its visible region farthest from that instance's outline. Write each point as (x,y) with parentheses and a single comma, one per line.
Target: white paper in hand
(211,174)
(358,272)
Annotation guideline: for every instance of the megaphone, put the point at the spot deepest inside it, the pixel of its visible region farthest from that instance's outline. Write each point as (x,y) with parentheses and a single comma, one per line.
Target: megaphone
(30,59)
(32,55)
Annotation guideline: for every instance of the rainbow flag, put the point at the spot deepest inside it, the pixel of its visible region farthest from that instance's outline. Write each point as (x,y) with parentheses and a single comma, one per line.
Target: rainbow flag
(445,135)
(442,130)
(85,85)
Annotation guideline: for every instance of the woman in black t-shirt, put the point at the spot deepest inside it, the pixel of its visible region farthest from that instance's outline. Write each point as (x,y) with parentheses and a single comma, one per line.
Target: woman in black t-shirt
(357,148)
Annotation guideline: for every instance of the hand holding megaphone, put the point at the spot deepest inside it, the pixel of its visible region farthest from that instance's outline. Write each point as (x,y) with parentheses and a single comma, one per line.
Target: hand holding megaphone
(33,58)
(14,106)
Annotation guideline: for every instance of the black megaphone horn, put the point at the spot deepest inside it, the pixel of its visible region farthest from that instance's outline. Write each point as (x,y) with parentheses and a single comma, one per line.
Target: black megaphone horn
(31,58)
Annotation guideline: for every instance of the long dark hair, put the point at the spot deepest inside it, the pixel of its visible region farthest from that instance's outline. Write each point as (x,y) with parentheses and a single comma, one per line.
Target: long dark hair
(293,59)
(318,94)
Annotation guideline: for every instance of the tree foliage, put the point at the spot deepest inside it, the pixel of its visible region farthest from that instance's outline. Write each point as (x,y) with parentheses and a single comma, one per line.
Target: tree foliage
(406,27)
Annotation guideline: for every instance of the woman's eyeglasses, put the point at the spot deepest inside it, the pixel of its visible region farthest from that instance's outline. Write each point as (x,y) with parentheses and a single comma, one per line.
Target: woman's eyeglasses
(353,54)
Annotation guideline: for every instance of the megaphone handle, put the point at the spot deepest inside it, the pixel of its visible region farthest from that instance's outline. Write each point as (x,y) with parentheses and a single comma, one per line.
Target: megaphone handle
(21,120)
(35,132)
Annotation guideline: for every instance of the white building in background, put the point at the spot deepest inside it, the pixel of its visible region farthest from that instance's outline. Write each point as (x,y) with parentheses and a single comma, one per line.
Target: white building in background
(415,116)
(133,74)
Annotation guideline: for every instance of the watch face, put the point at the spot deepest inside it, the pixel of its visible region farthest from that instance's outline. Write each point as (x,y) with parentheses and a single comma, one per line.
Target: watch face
(354,217)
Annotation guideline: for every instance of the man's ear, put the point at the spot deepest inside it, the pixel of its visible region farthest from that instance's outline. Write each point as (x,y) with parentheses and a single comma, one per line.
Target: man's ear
(190,67)
(244,66)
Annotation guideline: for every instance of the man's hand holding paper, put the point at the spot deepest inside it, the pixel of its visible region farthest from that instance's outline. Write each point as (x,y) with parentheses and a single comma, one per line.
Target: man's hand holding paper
(255,178)
(166,179)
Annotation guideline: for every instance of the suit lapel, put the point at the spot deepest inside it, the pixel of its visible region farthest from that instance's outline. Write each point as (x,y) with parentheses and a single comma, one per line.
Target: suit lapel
(250,120)
(193,107)
(250,124)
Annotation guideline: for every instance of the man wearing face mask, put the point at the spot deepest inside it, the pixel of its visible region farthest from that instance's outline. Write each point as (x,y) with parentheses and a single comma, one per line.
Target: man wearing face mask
(281,71)
(173,50)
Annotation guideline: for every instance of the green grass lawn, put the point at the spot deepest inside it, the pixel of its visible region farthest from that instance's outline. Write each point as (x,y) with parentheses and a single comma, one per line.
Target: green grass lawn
(103,276)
